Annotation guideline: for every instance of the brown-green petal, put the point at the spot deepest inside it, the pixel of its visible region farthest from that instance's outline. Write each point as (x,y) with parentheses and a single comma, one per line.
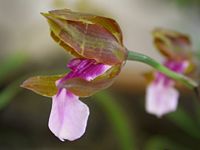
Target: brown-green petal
(108,23)
(42,85)
(87,36)
(172,44)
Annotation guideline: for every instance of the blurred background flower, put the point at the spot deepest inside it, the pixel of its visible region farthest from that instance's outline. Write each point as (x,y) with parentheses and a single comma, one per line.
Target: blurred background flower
(118,119)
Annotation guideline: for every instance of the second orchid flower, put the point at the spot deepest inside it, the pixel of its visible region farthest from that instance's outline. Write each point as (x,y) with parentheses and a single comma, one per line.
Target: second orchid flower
(161,96)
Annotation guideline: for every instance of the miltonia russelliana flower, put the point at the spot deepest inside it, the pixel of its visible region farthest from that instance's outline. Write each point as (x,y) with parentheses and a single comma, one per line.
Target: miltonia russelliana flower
(97,45)
(161,96)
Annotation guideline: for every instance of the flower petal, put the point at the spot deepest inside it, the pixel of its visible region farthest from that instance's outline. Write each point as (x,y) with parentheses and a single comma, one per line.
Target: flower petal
(86,69)
(110,24)
(43,85)
(172,44)
(88,77)
(177,66)
(161,99)
(68,118)
(88,36)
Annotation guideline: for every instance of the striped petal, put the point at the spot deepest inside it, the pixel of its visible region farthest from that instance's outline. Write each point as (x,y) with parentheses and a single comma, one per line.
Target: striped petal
(88,77)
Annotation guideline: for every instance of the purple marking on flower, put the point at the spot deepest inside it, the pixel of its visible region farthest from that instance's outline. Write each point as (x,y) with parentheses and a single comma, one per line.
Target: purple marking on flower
(87,69)
(161,96)
(68,117)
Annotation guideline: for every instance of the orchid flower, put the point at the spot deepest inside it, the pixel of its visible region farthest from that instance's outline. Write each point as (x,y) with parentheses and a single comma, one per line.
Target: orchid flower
(97,45)
(161,95)
(96,42)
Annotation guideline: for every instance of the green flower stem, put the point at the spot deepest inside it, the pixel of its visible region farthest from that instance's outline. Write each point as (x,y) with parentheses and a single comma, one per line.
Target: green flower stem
(134,56)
